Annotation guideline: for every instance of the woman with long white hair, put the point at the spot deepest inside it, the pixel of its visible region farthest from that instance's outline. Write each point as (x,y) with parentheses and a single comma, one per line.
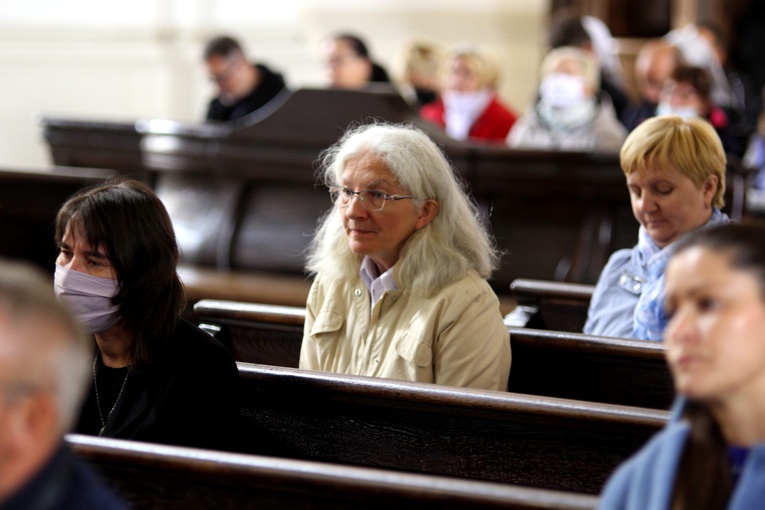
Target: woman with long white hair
(401,263)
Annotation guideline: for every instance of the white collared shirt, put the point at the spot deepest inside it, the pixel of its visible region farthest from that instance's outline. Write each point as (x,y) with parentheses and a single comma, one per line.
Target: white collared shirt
(378,284)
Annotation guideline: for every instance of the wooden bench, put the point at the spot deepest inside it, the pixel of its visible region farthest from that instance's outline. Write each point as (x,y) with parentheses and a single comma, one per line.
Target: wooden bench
(544,304)
(244,196)
(495,436)
(152,476)
(550,363)
(247,194)
(29,201)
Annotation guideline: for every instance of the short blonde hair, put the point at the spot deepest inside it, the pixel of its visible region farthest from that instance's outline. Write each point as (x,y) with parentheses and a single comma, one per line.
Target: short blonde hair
(690,145)
(477,60)
(586,61)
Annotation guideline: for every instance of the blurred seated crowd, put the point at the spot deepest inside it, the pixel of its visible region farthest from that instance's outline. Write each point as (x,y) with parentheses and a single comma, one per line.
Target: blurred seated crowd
(582,101)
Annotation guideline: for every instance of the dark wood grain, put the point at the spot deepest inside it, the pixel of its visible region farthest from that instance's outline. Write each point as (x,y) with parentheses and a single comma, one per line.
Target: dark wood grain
(551,363)
(486,435)
(161,477)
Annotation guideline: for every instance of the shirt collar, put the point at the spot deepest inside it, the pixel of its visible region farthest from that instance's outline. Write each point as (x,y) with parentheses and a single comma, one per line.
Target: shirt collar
(378,284)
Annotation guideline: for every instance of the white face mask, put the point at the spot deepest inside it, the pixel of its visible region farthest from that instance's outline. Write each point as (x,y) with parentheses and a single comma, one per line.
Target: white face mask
(88,298)
(462,109)
(686,112)
(562,90)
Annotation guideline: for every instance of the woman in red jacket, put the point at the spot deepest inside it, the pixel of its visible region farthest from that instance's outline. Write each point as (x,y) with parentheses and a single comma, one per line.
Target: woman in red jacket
(469,107)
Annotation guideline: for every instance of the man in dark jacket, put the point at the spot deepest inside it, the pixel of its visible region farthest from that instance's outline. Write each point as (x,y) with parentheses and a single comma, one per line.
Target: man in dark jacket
(243,87)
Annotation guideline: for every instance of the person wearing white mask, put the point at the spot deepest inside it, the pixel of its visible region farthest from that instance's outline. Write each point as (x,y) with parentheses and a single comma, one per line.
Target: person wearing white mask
(469,107)
(155,376)
(687,93)
(569,113)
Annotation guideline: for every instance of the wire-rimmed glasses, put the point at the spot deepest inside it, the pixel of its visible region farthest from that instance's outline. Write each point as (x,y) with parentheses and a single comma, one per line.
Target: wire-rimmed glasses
(371,200)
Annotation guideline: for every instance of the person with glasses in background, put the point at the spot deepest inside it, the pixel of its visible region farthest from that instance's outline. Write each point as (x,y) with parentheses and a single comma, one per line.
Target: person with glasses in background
(242,87)
(400,265)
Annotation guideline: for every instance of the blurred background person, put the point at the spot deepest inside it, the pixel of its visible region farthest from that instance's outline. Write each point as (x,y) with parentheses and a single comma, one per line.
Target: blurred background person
(469,107)
(746,98)
(243,87)
(401,264)
(44,371)
(590,34)
(421,64)
(653,66)
(711,454)
(568,113)
(349,64)
(687,93)
(696,50)
(675,170)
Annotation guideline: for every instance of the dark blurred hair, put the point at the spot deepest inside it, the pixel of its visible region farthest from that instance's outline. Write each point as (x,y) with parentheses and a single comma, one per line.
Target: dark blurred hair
(128,220)
(355,42)
(704,479)
(696,77)
(567,29)
(222,46)
(743,244)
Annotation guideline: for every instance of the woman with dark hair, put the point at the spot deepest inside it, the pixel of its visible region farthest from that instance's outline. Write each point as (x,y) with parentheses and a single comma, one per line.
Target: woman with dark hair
(349,64)
(156,377)
(688,93)
(711,455)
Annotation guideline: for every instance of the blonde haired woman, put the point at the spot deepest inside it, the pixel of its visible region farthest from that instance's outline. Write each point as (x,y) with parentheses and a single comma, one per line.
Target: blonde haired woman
(401,263)
(675,170)
(469,107)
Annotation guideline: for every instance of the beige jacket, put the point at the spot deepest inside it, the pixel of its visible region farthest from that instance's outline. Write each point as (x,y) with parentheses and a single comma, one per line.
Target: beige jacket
(455,338)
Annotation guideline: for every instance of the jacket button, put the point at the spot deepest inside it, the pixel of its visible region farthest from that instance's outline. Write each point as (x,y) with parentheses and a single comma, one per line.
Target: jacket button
(357,292)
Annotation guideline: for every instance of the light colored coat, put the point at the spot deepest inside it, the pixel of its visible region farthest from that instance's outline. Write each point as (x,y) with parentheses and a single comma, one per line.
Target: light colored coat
(604,134)
(455,337)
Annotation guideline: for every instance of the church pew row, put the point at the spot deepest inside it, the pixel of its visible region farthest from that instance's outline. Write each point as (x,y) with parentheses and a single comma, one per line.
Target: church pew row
(234,187)
(544,304)
(151,476)
(244,195)
(550,363)
(29,201)
(526,440)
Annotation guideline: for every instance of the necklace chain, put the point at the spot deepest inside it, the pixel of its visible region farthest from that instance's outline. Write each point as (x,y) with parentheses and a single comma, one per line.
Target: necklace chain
(98,400)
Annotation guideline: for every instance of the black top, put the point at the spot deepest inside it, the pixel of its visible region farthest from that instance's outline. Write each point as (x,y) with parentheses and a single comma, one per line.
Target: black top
(188,399)
(64,483)
(270,85)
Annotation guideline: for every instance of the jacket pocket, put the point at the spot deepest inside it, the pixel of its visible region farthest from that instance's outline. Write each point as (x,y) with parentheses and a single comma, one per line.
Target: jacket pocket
(326,321)
(414,349)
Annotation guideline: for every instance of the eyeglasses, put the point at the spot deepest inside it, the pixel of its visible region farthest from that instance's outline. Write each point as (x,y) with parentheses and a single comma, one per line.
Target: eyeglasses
(371,200)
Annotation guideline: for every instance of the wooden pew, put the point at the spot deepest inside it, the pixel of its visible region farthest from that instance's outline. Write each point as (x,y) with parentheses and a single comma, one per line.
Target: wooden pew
(526,440)
(544,304)
(153,476)
(550,363)
(29,201)
(253,186)
(244,196)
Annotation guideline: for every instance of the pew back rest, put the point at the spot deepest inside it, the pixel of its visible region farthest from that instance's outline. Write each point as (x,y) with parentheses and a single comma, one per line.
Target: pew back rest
(488,435)
(29,201)
(158,476)
(544,304)
(551,363)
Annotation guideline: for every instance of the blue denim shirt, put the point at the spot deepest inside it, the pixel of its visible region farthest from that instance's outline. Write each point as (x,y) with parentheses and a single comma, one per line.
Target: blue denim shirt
(628,274)
(647,479)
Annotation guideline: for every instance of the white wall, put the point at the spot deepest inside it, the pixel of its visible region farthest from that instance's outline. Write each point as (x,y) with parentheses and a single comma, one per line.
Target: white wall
(140,59)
